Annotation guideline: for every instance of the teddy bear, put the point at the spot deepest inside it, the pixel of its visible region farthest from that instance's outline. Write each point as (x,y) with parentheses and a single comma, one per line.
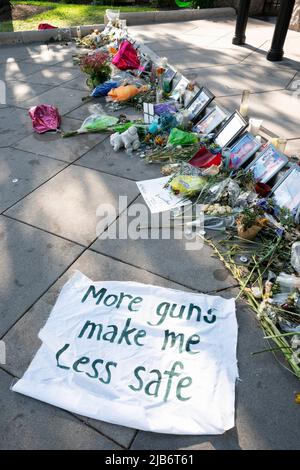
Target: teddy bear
(128,139)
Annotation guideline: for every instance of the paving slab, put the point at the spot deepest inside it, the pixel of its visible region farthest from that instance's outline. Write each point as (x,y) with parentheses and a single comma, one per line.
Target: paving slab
(50,55)
(28,424)
(21,52)
(54,75)
(18,93)
(209,27)
(259,57)
(233,79)
(279,110)
(291,48)
(103,158)
(167,42)
(49,60)
(22,341)
(63,98)
(78,83)
(267,416)
(17,69)
(66,205)
(14,125)
(30,261)
(21,172)
(194,57)
(195,269)
(54,146)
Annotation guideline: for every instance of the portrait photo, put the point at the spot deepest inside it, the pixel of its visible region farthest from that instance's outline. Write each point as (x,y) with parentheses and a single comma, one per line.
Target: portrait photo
(199,103)
(211,121)
(243,149)
(287,192)
(267,164)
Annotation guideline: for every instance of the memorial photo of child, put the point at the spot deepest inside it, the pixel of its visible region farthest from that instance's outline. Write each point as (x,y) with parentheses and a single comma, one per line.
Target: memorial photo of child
(243,150)
(268,164)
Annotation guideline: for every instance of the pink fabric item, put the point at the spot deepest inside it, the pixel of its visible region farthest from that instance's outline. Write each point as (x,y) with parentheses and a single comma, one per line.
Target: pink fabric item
(43,26)
(126,58)
(44,118)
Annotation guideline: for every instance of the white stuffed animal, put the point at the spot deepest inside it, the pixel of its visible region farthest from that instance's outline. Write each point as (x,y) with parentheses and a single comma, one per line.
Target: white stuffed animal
(116,141)
(129,139)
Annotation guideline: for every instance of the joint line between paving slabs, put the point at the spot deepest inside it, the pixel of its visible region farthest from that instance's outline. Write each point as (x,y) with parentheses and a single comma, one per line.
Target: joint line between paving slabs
(90,426)
(133,439)
(159,275)
(68,164)
(291,81)
(44,230)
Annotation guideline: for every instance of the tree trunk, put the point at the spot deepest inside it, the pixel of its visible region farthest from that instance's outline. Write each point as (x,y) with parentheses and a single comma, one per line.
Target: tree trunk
(5,10)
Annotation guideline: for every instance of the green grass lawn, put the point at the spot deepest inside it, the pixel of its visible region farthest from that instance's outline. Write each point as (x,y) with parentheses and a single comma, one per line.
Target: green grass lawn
(64,15)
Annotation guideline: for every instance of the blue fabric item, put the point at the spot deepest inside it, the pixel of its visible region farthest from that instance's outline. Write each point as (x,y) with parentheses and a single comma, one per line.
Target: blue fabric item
(104,88)
(153,127)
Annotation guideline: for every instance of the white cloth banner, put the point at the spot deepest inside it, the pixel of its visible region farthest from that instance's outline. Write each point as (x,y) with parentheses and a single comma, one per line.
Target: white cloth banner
(138,355)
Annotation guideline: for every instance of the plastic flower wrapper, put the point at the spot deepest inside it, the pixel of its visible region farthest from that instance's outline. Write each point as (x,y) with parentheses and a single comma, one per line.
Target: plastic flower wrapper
(126,58)
(187,185)
(98,121)
(45,117)
(113,17)
(178,137)
(124,77)
(225,192)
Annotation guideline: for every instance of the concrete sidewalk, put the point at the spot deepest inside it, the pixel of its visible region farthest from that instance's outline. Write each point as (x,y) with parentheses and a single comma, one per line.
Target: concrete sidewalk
(49,191)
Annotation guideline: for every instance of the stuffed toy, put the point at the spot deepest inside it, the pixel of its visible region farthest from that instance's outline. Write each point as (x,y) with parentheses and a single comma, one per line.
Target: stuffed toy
(128,139)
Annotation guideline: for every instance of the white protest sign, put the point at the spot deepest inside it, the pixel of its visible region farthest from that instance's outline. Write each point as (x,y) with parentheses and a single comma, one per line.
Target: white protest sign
(137,355)
(157,197)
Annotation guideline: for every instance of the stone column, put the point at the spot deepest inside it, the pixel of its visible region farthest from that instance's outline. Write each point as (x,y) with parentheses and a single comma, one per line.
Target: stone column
(295,21)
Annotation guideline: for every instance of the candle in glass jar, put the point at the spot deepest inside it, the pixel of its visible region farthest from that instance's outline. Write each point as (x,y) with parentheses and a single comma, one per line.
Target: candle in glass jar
(274,142)
(281,145)
(244,107)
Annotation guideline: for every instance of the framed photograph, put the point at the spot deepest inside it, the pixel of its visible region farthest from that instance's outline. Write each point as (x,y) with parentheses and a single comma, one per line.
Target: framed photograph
(169,75)
(199,103)
(145,67)
(179,88)
(167,79)
(267,164)
(212,120)
(286,192)
(230,130)
(243,149)
(189,95)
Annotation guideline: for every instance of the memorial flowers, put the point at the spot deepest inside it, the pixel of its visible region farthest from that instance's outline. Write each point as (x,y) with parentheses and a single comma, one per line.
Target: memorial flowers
(97,66)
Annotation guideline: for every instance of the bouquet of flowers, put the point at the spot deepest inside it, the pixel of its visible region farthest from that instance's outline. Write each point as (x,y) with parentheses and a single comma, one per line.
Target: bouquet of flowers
(97,66)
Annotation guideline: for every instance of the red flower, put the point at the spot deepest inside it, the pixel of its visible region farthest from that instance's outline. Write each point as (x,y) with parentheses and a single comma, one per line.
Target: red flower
(94,63)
